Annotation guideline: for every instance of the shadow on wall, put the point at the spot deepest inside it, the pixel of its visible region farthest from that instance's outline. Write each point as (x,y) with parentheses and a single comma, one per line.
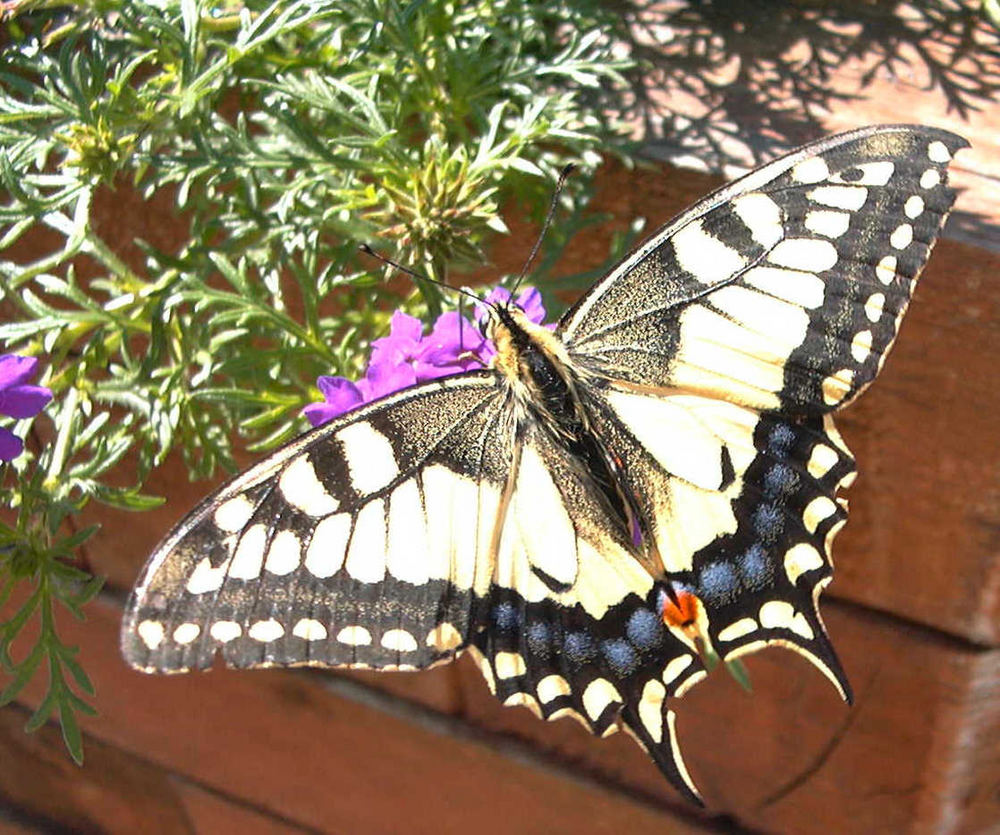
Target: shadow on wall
(736,83)
(713,73)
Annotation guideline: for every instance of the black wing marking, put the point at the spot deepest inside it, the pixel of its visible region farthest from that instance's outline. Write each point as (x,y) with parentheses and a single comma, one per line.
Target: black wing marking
(360,544)
(784,290)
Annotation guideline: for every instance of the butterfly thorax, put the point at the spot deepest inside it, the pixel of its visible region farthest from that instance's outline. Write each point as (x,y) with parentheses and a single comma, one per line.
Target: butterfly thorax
(542,378)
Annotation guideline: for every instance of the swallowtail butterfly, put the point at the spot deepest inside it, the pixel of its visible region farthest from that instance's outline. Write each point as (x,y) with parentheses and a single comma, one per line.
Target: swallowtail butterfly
(655,479)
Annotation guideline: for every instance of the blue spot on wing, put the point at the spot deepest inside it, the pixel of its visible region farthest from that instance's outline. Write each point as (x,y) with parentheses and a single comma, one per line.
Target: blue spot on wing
(780,440)
(506,617)
(754,567)
(620,655)
(780,481)
(539,639)
(644,629)
(719,583)
(768,522)
(579,647)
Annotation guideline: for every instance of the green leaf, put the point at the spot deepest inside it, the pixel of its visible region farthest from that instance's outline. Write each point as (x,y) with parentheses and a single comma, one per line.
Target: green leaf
(23,673)
(71,731)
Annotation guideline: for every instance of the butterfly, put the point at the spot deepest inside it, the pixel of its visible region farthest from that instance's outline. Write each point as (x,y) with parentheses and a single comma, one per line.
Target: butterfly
(607,505)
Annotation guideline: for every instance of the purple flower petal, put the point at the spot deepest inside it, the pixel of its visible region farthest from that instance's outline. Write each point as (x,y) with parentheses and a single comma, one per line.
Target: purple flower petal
(15,370)
(10,445)
(319,413)
(339,390)
(530,301)
(454,337)
(498,295)
(453,329)
(385,377)
(23,401)
(17,398)
(340,395)
(455,345)
(403,341)
(445,366)
(404,326)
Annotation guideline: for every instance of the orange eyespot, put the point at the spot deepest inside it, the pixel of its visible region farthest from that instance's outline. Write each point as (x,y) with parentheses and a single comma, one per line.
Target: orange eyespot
(682,611)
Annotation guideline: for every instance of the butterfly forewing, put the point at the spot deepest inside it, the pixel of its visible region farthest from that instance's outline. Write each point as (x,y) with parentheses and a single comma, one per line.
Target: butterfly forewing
(363,543)
(784,290)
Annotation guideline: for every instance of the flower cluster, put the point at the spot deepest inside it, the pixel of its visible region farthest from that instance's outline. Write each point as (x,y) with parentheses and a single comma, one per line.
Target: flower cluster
(18,399)
(406,356)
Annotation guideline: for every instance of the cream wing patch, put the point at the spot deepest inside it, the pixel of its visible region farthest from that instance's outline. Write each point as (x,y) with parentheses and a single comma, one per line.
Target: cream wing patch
(284,553)
(681,443)
(408,555)
(461,514)
(762,217)
(543,522)
(704,256)
(232,516)
(849,198)
(806,254)
(248,559)
(369,455)
(366,553)
(799,287)
(205,578)
(303,490)
(719,356)
(328,546)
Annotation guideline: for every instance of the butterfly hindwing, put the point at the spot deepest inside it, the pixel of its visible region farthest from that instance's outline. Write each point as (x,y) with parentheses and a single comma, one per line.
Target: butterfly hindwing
(760,583)
(785,289)
(614,672)
(745,510)
(594,649)
(360,544)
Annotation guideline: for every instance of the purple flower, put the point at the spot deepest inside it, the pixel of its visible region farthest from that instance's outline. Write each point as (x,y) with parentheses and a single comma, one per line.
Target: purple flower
(340,395)
(17,399)
(406,356)
(453,346)
(402,345)
(530,301)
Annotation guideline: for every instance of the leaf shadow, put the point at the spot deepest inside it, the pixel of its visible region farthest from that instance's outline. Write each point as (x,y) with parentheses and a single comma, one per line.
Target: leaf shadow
(708,75)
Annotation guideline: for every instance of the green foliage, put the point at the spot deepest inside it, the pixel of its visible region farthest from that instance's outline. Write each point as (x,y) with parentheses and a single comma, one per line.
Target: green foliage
(284,135)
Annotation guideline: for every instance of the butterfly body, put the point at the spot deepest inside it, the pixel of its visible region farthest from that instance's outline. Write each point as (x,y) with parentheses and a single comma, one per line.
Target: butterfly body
(656,477)
(546,388)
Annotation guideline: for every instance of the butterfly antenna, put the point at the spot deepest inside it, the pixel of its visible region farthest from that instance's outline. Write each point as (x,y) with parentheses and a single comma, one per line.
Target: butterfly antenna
(367,250)
(545,226)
